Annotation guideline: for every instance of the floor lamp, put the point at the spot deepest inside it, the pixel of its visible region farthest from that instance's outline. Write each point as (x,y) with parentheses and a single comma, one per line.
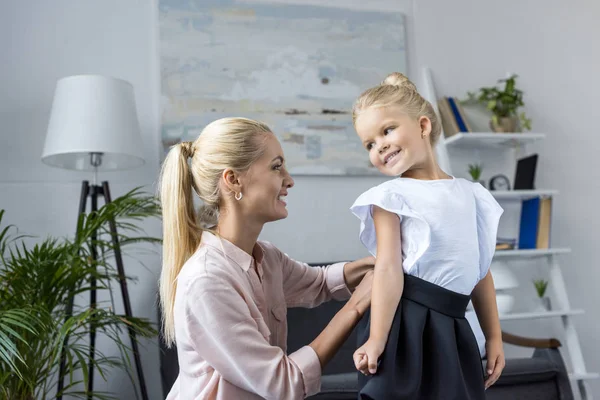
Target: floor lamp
(94,127)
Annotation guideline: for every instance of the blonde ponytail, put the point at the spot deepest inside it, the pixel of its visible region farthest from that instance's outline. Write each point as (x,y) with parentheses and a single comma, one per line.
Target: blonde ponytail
(197,166)
(181,232)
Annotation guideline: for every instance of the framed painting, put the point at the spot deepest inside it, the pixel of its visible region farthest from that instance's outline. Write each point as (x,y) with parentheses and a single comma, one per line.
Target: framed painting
(298,68)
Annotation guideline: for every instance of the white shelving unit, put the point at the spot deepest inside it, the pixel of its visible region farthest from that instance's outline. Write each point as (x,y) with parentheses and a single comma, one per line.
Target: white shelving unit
(531,253)
(518,141)
(519,195)
(487,139)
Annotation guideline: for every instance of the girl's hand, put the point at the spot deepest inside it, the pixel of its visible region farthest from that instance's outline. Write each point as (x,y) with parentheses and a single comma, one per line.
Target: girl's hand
(365,358)
(495,361)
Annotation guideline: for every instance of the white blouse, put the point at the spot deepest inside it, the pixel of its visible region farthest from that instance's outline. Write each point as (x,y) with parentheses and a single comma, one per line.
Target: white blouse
(448,228)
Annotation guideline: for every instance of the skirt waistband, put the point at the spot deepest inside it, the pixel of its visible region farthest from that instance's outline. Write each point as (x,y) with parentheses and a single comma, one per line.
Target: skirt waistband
(437,298)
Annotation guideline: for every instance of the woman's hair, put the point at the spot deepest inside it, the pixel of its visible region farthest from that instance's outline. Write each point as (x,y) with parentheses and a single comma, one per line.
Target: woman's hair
(234,143)
(397,89)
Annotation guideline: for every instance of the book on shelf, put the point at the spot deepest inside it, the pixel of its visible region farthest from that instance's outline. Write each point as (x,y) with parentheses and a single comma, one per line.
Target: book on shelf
(534,228)
(505,244)
(453,116)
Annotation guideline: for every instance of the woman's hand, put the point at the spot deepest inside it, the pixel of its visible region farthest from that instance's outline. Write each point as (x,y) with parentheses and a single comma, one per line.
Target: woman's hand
(365,358)
(361,297)
(495,361)
(355,271)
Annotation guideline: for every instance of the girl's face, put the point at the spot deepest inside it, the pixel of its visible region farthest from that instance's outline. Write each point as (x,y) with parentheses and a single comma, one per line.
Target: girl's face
(265,185)
(395,141)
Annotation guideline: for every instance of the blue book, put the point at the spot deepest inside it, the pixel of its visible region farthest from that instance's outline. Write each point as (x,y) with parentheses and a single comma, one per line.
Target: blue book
(462,126)
(528,229)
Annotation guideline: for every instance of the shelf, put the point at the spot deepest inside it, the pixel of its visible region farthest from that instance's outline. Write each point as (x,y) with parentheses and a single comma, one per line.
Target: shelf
(521,194)
(531,253)
(583,376)
(488,139)
(539,314)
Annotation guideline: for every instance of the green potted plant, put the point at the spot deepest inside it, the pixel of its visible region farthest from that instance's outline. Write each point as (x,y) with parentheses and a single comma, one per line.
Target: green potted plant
(37,284)
(504,103)
(475,172)
(540,287)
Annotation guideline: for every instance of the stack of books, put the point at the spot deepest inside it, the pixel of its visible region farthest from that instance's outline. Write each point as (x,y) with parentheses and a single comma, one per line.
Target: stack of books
(534,229)
(505,244)
(453,116)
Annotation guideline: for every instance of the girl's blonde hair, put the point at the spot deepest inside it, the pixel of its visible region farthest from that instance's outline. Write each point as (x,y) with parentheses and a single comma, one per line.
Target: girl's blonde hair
(398,90)
(234,143)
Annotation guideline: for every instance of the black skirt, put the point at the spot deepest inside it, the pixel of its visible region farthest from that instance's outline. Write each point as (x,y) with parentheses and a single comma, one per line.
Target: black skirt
(431,352)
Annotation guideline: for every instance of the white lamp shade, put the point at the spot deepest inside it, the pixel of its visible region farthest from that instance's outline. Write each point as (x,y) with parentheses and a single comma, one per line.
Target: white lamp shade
(93,114)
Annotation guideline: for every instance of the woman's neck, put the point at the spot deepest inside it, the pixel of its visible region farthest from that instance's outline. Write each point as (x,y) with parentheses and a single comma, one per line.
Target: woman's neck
(239,231)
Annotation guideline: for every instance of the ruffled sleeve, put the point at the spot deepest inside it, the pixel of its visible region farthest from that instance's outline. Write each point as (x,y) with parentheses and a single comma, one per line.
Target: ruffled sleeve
(488,217)
(416,233)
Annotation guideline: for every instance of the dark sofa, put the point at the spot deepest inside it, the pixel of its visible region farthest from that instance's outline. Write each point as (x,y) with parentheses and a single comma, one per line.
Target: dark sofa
(541,377)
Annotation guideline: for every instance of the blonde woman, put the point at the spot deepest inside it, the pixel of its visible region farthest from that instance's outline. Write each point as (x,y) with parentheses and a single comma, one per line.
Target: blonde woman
(224,294)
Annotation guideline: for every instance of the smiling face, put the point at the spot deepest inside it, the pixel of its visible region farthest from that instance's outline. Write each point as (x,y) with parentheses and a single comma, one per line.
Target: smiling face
(265,185)
(396,142)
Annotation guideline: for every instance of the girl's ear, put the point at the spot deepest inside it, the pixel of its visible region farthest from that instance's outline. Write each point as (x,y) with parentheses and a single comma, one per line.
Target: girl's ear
(425,125)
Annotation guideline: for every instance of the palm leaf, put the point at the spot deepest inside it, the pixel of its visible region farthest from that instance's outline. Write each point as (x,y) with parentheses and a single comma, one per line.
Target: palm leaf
(38,282)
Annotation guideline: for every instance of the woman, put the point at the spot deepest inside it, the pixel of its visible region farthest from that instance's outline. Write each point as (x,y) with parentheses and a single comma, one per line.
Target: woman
(224,295)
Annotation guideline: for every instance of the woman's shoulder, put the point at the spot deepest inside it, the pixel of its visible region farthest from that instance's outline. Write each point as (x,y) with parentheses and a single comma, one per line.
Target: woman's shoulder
(206,267)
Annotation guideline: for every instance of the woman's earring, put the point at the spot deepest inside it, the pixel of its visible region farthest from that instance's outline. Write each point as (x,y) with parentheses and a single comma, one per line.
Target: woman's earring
(238,198)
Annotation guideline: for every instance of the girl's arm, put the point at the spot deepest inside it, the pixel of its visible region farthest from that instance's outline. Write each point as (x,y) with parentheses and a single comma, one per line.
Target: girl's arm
(484,303)
(388,283)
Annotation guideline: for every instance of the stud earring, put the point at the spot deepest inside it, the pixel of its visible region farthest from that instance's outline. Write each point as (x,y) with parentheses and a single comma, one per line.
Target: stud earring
(238,196)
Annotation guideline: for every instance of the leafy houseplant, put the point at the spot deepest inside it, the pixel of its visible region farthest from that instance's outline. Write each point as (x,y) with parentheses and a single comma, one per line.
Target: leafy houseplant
(540,287)
(504,103)
(37,284)
(475,172)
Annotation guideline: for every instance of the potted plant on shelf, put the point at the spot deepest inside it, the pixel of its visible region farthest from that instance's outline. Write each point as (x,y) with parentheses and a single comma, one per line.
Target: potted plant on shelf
(39,282)
(540,287)
(504,103)
(475,172)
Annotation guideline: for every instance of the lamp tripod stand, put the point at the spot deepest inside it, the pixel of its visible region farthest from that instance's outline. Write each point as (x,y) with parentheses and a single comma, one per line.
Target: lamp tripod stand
(95,191)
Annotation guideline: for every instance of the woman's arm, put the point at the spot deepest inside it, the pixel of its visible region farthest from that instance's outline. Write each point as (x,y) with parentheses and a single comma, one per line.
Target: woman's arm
(484,303)
(341,325)
(388,284)
(355,271)
(306,286)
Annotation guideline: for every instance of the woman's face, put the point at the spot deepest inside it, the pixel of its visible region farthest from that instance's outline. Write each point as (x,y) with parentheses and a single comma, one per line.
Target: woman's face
(265,185)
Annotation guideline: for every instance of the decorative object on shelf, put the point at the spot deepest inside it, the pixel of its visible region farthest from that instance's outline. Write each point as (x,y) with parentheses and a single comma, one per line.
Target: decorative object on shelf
(540,287)
(504,104)
(453,116)
(475,172)
(505,244)
(504,282)
(525,173)
(499,182)
(535,223)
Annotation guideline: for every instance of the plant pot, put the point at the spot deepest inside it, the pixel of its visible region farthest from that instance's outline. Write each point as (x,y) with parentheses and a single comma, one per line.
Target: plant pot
(546,303)
(505,124)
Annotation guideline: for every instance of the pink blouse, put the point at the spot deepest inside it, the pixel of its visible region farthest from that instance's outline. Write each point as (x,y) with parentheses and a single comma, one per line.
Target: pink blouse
(231,327)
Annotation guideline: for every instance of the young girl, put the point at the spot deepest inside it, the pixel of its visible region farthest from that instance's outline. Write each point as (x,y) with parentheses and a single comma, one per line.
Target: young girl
(434,237)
